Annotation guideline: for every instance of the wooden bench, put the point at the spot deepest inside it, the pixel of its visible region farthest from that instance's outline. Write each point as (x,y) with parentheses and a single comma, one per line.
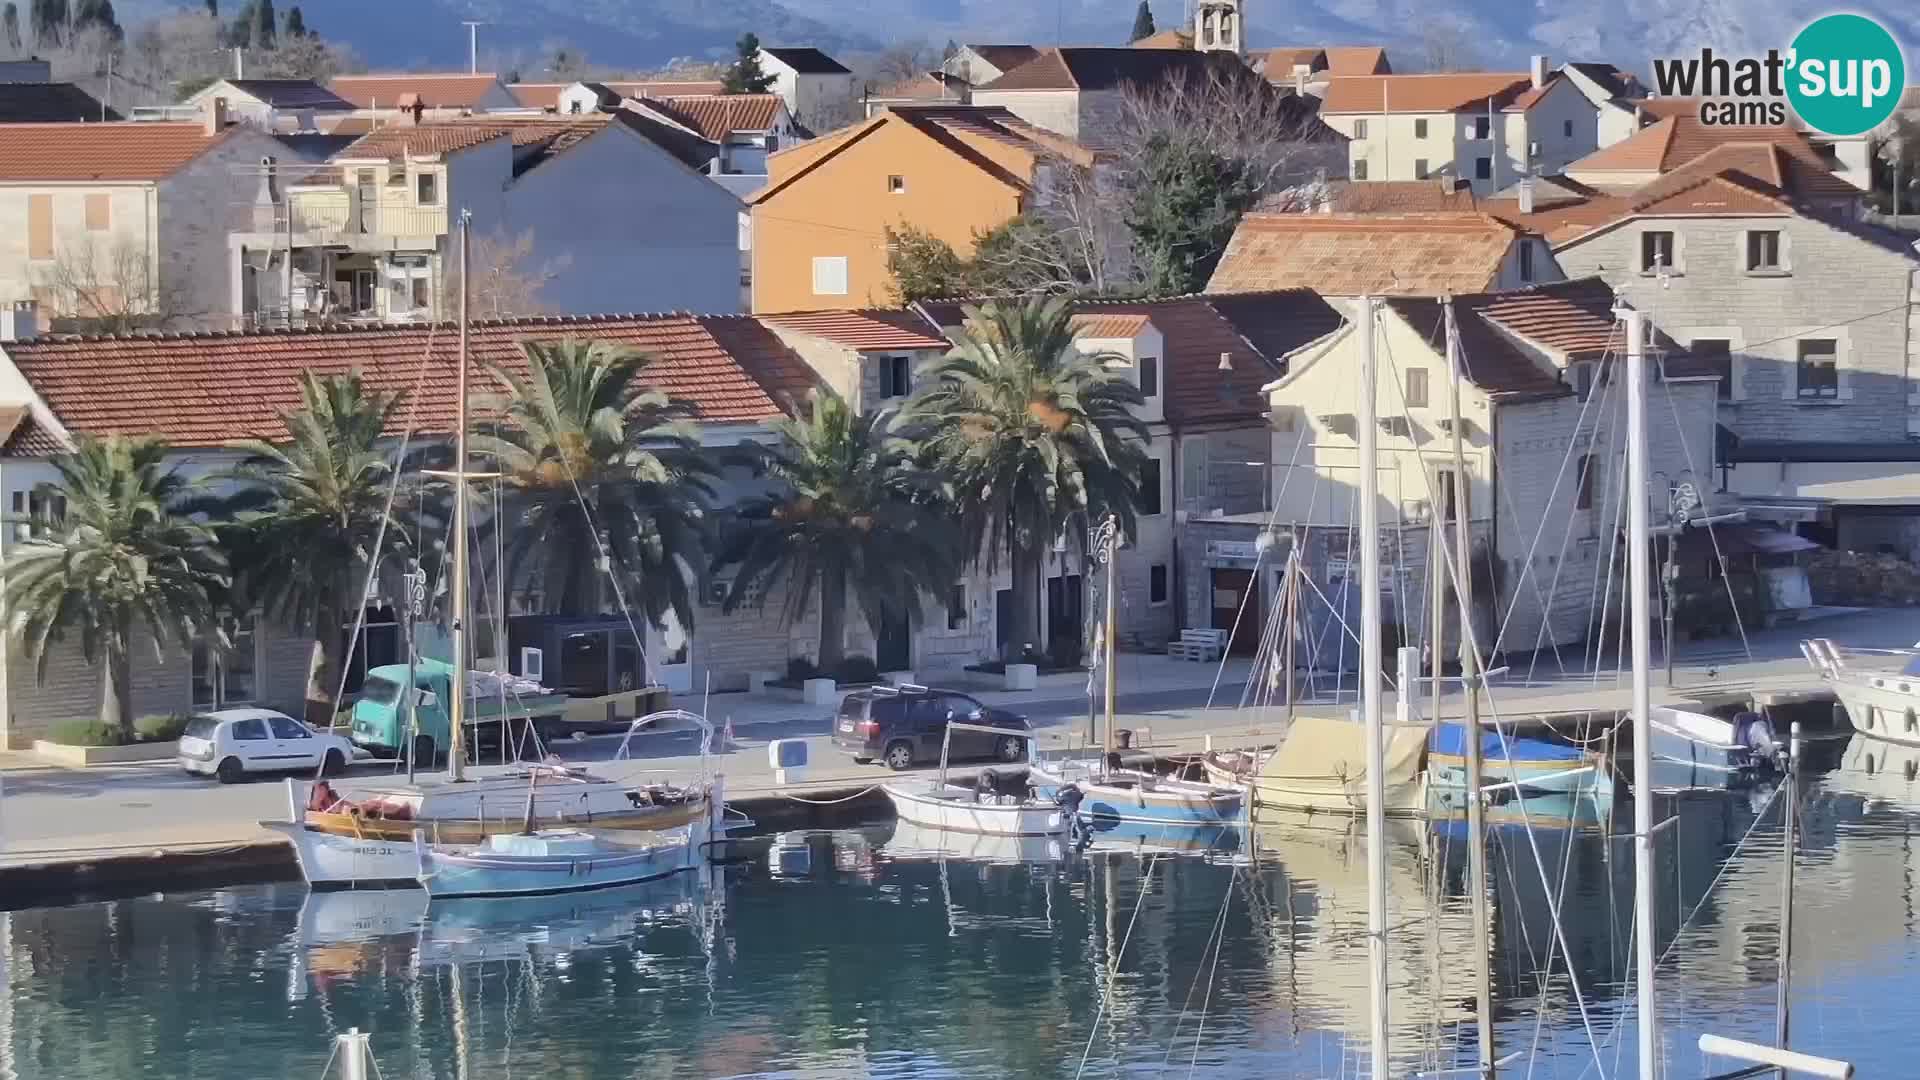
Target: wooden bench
(1203,646)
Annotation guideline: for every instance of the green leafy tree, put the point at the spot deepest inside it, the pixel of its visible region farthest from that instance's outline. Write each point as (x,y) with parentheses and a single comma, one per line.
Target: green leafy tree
(924,266)
(10,25)
(296,23)
(1186,202)
(1142,22)
(851,511)
(308,519)
(597,461)
(1037,438)
(746,75)
(122,552)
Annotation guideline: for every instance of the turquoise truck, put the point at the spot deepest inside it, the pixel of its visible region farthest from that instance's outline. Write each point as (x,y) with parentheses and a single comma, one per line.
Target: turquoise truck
(392,702)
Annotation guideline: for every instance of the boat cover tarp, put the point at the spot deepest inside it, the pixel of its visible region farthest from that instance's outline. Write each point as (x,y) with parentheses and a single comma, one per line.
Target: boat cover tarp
(1451,739)
(1321,765)
(1912,668)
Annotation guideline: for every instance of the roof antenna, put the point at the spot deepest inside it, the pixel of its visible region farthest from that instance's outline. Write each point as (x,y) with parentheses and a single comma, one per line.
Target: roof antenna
(473,46)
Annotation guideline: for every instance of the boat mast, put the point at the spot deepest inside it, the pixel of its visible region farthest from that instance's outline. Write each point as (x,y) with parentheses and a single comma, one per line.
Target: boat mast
(1370,696)
(457,742)
(1470,684)
(1638,557)
(1110,537)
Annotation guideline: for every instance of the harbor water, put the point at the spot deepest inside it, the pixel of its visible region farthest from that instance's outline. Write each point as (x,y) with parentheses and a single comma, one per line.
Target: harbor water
(890,952)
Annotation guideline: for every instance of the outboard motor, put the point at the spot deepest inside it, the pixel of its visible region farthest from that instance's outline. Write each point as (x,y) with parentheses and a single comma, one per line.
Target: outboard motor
(1068,799)
(1755,732)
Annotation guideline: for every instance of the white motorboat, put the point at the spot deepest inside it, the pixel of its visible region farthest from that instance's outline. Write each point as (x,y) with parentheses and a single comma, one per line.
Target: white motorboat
(998,804)
(1880,688)
(1743,744)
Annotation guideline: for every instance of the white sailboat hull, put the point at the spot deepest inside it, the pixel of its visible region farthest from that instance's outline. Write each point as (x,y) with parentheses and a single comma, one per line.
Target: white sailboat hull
(328,860)
(955,809)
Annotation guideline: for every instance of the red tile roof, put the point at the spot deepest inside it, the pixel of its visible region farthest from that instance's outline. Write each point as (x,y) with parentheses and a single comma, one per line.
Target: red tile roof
(1164,39)
(1680,139)
(1106,324)
(1401,197)
(864,330)
(208,389)
(928,86)
(1357,254)
(547,95)
(717,116)
(1358,60)
(394,142)
(29,439)
(134,151)
(1453,92)
(1110,69)
(1281,62)
(440,91)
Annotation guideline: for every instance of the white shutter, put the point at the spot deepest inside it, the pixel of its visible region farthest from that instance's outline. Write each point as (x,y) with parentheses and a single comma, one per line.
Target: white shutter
(830,275)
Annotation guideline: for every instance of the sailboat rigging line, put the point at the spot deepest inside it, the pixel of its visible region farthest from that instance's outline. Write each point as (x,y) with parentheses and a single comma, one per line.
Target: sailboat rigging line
(1213,943)
(1106,996)
(1539,532)
(1260,555)
(1603,587)
(1450,568)
(1206,1003)
(386,513)
(1719,556)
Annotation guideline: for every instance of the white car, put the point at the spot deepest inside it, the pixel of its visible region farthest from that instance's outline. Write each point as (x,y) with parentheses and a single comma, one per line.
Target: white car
(233,742)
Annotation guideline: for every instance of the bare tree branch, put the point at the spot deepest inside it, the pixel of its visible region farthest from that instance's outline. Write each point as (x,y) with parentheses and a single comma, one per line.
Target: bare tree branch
(109,287)
(507,281)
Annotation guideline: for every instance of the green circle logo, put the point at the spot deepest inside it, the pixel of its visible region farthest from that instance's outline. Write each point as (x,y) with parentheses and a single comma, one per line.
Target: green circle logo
(1845,74)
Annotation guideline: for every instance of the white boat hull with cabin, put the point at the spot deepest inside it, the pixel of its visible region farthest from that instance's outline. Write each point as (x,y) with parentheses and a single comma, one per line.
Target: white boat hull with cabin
(964,809)
(1879,688)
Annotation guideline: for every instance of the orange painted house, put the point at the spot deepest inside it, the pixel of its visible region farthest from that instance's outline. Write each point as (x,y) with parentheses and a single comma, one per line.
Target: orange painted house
(820,223)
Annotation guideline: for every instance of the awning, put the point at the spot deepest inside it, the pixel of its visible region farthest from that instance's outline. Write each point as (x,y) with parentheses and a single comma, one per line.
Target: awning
(1745,538)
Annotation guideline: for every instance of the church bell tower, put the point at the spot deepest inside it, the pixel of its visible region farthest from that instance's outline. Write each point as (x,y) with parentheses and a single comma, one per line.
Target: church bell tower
(1217,27)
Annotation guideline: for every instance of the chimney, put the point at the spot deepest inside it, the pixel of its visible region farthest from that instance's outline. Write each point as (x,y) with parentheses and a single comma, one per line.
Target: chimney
(1526,194)
(216,116)
(1300,79)
(1539,71)
(20,321)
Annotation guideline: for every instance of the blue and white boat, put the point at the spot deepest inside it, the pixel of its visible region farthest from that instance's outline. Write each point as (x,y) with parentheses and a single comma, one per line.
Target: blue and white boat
(1114,795)
(1511,763)
(552,861)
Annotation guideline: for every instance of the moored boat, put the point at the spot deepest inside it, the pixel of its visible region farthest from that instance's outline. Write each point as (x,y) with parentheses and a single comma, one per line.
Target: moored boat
(1879,688)
(1320,767)
(552,861)
(1117,795)
(960,808)
(1534,766)
(1744,744)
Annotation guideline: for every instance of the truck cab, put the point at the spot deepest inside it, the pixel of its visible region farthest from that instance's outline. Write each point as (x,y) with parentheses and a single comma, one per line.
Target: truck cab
(395,700)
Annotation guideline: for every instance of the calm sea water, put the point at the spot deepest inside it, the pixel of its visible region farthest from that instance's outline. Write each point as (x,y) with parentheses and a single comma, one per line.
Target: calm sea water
(891,953)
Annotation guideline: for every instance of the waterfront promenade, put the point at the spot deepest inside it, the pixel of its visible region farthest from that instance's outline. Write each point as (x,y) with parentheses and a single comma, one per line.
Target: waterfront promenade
(51,814)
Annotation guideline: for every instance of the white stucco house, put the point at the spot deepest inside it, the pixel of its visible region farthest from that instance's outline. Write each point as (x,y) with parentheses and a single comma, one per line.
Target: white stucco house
(821,93)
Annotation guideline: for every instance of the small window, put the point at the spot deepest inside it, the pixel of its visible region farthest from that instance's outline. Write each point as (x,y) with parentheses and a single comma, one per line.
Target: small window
(427,188)
(1819,368)
(830,275)
(1360,169)
(1150,487)
(896,185)
(250,730)
(286,727)
(1583,482)
(421,294)
(1420,128)
(1359,129)
(1417,388)
(1483,127)
(1716,354)
(1526,260)
(957,608)
(39,226)
(1656,251)
(574,106)
(1157,583)
(1446,500)
(1763,251)
(1567,129)
(99,213)
(1149,376)
(896,376)
(1419,168)
(1483,168)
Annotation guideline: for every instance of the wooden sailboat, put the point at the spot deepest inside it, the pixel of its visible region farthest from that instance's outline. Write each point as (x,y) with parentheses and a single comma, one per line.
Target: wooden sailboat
(368,840)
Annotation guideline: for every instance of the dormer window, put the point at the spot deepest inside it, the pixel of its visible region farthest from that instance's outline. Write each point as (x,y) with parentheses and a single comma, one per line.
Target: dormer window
(1149,376)
(427,188)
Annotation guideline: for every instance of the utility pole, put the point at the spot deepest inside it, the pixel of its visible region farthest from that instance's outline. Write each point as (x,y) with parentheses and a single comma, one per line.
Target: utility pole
(473,46)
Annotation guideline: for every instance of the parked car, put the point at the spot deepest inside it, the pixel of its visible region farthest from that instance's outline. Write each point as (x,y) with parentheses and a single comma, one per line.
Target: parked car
(231,743)
(905,727)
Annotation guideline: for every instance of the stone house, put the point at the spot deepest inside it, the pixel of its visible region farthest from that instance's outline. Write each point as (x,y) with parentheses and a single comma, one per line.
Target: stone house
(1543,449)
(1080,92)
(1382,254)
(201,390)
(1749,254)
(275,104)
(374,231)
(1485,128)
(110,219)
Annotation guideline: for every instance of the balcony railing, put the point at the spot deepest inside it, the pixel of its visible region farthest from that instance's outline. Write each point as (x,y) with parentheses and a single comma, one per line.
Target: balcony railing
(333,216)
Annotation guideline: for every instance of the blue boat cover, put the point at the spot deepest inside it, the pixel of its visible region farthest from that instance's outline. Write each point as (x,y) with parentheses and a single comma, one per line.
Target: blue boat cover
(1452,739)
(1912,668)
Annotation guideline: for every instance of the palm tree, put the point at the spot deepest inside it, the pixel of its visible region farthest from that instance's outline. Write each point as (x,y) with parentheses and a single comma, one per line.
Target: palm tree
(309,518)
(600,468)
(850,509)
(121,552)
(1036,436)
